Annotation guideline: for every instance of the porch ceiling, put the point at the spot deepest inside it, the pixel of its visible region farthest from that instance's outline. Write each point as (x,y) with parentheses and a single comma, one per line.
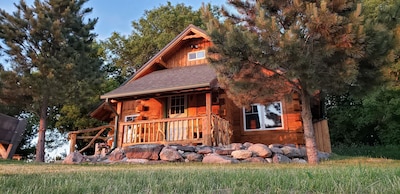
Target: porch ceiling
(182,78)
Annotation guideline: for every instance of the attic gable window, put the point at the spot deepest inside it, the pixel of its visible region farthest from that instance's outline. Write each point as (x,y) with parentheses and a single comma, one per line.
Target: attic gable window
(263,117)
(196,55)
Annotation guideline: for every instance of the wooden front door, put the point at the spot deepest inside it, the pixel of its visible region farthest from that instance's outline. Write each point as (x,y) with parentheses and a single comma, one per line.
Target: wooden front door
(177,108)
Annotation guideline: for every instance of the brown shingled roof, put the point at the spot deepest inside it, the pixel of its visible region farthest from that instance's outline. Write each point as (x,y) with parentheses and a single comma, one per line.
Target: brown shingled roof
(166,80)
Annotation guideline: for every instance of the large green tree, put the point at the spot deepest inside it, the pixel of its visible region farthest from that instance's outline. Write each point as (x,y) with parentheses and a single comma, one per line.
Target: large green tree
(373,117)
(53,62)
(267,49)
(150,34)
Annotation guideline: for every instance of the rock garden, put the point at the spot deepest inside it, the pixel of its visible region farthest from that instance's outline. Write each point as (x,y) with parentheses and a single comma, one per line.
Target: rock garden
(232,153)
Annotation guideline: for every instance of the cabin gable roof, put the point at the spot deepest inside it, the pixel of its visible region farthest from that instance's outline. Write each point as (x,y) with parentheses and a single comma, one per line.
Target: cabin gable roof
(191,31)
(153,77)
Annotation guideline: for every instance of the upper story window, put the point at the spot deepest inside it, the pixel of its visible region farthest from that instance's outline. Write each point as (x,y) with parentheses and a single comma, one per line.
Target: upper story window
(263,117)
(196,55)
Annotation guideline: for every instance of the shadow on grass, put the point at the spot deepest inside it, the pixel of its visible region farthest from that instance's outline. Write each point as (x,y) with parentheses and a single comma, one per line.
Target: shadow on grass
(379,151)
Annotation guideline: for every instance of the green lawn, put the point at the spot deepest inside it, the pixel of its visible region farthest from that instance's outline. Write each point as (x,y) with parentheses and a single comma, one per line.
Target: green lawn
(349,175)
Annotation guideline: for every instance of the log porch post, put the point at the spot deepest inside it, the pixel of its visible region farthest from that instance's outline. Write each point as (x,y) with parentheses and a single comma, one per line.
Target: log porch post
(118,127)
(72,142)
(207,127)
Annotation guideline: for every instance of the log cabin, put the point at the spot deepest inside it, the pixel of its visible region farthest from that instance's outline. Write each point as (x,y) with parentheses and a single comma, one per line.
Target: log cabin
(175,98)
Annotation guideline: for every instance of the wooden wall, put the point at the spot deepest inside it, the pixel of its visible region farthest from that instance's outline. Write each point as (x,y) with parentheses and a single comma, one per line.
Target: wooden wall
(180,57)
(292,132)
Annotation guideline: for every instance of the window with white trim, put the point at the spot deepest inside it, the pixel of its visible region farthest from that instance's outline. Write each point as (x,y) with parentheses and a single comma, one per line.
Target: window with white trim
(131,118)
(177,105)
(263,117)
(196,55)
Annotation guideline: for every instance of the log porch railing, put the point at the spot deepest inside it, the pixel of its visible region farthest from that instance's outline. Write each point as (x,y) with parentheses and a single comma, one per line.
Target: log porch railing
(74,135)
(187,129)
(221,130)
(168,130)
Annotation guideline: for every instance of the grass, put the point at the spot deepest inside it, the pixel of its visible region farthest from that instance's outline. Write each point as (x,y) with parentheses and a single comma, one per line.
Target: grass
(342,174)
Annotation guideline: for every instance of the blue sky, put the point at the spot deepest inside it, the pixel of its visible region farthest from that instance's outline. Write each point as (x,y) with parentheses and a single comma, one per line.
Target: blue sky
(117,15)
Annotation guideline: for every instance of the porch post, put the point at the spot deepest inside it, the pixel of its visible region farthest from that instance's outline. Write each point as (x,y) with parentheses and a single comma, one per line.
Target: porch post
(118,129)
(72,142)
(207,128)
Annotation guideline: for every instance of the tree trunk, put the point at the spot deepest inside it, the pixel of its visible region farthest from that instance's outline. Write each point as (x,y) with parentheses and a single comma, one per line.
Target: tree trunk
(309,136)
(42,132)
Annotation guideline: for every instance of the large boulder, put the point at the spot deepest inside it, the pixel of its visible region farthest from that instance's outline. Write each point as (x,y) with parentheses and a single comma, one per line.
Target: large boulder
(292,152)
(117,155)
(242,154)
(223,151)
(204,150)
(184,148)
(74,158)
(170,154)
(279,158)
(143,151)
(193,157)
(235,146)
(218,159)
(260,150)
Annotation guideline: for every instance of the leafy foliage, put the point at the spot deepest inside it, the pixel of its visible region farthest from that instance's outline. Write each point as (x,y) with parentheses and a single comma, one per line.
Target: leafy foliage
(54,62)
(126,54)
(289,46)
(372,118)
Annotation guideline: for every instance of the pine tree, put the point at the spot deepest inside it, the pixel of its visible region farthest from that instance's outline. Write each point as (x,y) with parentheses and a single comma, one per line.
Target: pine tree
(51,53)
(267,49)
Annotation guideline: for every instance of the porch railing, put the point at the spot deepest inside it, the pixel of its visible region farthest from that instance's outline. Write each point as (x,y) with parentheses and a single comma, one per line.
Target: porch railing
(221,131)
(189,129)
(82,134)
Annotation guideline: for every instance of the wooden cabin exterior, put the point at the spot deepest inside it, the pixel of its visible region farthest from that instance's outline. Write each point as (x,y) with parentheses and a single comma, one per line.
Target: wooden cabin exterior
(175,98)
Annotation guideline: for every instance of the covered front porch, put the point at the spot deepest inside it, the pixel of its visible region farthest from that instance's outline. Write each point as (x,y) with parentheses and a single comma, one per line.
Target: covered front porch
(202,130)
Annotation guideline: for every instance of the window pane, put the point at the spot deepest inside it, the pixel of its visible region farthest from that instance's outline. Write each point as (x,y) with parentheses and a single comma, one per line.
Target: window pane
(192,56)
(273,115)
(252,121)
(201,54)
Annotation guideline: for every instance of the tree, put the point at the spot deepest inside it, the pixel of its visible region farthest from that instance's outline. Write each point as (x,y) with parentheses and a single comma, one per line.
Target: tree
(150,34)
(265,50)
(372,118)
(52,58)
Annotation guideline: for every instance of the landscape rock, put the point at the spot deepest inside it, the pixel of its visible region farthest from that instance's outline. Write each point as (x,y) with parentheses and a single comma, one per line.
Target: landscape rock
(323,156)
(223,151)
(218,159)
(116,155)
(184,148)
(299,161)
(143,151)
(260,150)
(291,152)
(275,145)
(194,157)
(255,160)
(204,150)
(280,158)
(74,158)
(233,153)
(170,154)
(236,146)
(241,154)
(246,145)
(276,150)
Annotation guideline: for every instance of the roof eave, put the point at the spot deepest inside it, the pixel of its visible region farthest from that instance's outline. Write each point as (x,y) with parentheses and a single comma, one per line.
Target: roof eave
(128,94)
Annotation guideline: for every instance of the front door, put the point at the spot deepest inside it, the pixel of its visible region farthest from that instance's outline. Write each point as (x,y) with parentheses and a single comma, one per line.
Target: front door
(177,108)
